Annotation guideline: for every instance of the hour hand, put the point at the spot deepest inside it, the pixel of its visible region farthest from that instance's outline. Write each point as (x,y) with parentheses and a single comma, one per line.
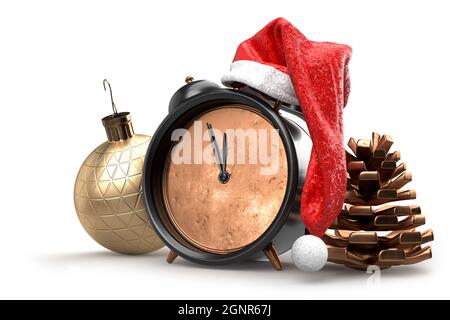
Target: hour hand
(215,147)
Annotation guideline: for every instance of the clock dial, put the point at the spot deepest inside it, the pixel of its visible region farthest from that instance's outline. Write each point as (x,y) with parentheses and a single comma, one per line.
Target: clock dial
(224,216)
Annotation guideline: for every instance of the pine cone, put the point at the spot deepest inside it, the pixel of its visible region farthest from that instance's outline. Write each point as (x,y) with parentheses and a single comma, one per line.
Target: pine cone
(370,229)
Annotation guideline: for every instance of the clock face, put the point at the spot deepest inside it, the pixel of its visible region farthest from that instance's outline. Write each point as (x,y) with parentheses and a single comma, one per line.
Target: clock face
(221,196)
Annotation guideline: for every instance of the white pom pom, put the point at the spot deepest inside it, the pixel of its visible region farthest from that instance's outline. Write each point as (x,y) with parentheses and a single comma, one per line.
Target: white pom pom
(309,253)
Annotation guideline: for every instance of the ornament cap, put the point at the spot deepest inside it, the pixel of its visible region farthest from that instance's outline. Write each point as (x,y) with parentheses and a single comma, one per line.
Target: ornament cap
(118,126)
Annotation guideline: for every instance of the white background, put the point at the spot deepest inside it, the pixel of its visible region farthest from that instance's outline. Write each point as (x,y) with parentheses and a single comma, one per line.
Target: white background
(53,58)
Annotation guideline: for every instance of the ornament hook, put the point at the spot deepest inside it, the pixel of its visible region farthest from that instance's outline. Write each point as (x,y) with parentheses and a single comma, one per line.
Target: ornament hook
(106,82)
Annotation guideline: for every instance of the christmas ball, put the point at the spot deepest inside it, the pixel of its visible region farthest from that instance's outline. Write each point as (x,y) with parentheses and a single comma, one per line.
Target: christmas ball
(108,190)
(108,197)
(309,253)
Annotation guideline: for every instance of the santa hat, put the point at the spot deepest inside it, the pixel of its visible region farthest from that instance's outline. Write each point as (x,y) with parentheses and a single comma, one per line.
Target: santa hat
(282,63)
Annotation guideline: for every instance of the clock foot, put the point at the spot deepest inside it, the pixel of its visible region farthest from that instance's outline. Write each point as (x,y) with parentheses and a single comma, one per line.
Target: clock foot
(272,255)
(171,256)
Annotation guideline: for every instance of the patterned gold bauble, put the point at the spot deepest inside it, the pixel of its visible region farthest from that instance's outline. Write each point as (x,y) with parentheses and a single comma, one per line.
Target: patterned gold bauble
(108,191)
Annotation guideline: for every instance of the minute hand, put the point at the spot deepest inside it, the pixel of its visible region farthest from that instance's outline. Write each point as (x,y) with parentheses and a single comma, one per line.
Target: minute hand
(224,152)
(215,147)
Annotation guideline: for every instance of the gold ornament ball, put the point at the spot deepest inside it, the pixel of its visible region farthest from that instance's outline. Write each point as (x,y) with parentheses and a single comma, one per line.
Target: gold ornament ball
(108,192)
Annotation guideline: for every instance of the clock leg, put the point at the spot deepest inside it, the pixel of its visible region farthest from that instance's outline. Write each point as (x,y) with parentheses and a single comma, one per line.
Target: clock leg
(171,256)
(272,255)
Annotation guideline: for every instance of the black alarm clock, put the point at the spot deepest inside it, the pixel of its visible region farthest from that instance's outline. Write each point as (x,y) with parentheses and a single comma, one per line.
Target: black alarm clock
(224,173)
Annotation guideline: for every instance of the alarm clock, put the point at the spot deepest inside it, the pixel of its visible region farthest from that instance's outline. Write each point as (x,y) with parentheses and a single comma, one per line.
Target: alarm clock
(224,173)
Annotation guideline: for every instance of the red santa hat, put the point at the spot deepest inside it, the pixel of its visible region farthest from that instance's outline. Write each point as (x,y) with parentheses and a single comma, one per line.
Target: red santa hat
(282,63)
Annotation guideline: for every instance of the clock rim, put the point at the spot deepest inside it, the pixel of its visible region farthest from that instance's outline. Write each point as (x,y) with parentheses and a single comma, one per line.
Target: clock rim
(152,179)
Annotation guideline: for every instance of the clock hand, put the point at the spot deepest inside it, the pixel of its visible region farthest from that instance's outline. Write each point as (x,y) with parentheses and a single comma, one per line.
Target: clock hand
(215,147)
(224,152)
(224,176)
